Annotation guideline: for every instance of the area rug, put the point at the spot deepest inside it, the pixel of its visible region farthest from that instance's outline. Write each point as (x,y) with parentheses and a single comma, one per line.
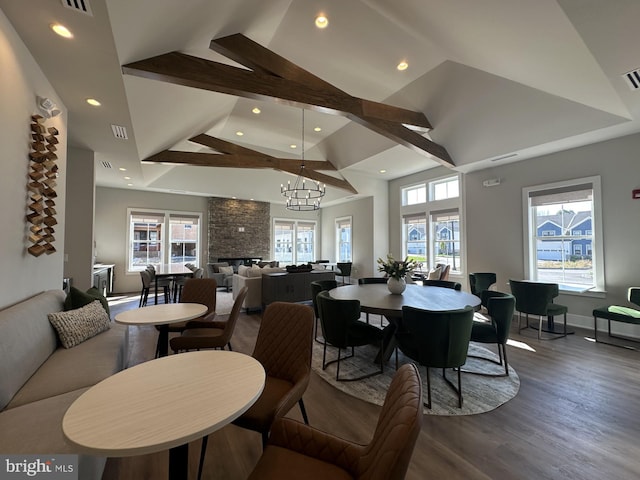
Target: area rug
(481,393)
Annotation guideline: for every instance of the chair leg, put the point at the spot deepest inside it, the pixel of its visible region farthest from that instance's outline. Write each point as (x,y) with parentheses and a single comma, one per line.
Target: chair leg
(338,368)
(459,389)
(265,438)
(506,364)
(229,345)
(303,411)
(203,450)
(428,404)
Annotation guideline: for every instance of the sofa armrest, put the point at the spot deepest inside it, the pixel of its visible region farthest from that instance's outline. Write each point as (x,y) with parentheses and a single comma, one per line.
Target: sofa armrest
(254,290)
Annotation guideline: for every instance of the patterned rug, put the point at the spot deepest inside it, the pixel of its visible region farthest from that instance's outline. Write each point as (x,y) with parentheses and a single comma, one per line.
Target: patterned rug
(480,393)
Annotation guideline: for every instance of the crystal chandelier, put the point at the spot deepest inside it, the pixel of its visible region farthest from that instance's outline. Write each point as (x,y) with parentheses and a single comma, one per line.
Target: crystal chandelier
(304,194)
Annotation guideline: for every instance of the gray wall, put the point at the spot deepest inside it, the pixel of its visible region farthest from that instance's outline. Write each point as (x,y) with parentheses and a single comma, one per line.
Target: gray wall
(21,80)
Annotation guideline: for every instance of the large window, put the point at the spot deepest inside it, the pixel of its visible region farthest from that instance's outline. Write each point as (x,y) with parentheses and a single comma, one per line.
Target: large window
(431,226)
(563,234)
(344,240)
(294,241)
(149,242)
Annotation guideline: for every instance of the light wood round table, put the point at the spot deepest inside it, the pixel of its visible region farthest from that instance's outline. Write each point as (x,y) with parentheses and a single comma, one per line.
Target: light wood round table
(164,404)
(162,315)
(376,298)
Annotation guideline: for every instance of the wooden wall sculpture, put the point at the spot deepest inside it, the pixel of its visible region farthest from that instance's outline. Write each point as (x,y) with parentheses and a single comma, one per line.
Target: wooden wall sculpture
(41,185)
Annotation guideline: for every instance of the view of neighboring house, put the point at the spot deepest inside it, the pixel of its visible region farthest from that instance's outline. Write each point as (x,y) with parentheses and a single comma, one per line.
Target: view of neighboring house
(564,235)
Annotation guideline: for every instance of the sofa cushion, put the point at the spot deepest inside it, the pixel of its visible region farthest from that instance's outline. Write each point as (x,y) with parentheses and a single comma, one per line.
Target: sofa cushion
(242,270)
(76,326)
(70,369)
(28,339)
(226,270)
(76,298)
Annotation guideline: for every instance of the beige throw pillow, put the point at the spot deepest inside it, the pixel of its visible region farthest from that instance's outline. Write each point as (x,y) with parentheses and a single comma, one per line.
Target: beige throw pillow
(226,270)
(76,326)
(435,274)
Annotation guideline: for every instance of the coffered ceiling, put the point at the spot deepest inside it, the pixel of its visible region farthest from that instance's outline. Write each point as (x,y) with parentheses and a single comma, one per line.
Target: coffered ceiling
(499,81)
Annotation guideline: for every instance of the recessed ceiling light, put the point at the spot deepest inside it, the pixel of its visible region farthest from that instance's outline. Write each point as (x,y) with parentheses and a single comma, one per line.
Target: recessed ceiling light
(293,145)
(382,171)
(322,21)
(93,102)
(61,30)
(129,184)
(122,169)
(239,133)
(127,178)
(233,198)
(317,129)
(251,199)
(256,110)
(403,65)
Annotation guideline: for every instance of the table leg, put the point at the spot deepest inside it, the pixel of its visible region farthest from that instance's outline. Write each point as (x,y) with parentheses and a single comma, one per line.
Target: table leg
(388,343)
(163,340)
(156,297)
(179,462)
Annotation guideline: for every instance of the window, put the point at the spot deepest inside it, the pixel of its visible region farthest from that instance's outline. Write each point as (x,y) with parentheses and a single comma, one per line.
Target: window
(149,243)
(445,228)
(294,241)
(415,239)
(573,257)
(444,188)
(414,195)
(344,239)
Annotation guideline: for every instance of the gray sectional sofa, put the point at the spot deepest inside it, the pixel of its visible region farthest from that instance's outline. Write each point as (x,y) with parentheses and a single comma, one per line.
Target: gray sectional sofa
(39,379)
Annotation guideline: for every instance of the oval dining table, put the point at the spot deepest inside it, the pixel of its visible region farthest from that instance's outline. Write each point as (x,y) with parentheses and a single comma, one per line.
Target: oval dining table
(376,298)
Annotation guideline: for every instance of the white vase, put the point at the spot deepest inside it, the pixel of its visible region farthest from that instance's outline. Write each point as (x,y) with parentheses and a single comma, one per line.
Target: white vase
(396,285)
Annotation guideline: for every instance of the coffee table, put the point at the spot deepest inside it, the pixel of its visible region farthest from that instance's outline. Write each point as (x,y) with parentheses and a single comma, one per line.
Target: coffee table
(162,315)
(164,404)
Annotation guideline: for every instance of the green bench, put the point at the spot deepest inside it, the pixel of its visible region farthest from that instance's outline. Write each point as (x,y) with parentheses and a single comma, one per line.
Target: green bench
(617,313)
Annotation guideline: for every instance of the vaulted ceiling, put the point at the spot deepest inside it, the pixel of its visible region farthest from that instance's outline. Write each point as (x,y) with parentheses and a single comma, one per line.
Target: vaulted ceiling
(499,81)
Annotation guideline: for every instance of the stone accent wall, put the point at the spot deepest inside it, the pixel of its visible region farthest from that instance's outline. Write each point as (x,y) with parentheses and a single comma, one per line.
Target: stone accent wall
(227,217)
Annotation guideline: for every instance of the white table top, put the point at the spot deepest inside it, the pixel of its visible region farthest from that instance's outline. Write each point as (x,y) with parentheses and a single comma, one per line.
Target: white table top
(163,403)
(162,314)
(171,269)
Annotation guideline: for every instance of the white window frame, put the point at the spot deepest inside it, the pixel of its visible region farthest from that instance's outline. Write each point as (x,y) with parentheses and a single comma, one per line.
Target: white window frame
(406,194)
(597,236)
(340,221)
(165,236)
(295,223)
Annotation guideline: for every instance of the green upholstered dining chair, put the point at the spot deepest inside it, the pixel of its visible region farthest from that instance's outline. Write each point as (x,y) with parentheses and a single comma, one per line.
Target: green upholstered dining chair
(500,308)
(436,339)
(317,287)
(344,271)
(369,281)
(296,451)
(442,283)
(536,298)
(481,281)
(342,328)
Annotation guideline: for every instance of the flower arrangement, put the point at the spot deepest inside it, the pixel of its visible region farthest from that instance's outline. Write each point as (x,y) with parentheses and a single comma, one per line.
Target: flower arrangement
(394,268)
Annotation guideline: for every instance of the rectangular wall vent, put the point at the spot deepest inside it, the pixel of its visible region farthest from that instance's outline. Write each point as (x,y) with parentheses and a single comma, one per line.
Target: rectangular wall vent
(78,5)
(633,79)
(106,164)
(119,132)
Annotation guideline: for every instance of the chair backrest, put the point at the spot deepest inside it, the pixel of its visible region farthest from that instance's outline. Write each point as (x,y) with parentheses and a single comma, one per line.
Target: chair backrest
(230,324)
(500,307)
(320,286)
(145,276)
(369,280)
(442,283)
(345,268)
(533,297)
(388,454)
(335,318)
(480,281)
(200,290)
(285,341)
(438,338)
(444,271)
(198,272)
(634,295)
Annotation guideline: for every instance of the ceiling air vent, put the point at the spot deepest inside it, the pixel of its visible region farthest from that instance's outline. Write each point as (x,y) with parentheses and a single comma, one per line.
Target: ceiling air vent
(106,164)
(78,5)
(633,79)
(119,132)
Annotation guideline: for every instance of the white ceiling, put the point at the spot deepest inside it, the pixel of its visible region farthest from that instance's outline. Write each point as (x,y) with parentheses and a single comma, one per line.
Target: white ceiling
(494,77)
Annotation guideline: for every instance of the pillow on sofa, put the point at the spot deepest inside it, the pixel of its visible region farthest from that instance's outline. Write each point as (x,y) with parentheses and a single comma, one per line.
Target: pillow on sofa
(76,326)
(242,270)
(77,298)
(226,270)
(435,274)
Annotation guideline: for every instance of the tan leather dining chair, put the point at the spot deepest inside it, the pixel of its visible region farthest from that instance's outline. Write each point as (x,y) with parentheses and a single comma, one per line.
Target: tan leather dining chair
(298,451)
(199,334)
(284,346)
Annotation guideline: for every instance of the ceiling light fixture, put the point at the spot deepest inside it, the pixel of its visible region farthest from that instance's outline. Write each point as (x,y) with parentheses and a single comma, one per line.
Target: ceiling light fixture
(382,171)
(93,102)
(301,197)
(256,110)
(122,169)
(403,65)
(61,30)
(239,133)
(322,21)
(317,129)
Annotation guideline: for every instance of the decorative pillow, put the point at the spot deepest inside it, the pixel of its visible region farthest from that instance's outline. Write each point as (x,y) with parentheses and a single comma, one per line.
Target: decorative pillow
(254,272)
(435,274)
(226,270)
(76,326)
(243,270)
(76,298)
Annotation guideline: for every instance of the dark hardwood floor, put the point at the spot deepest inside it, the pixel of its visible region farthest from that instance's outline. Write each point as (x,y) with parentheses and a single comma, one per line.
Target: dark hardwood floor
(576,416)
